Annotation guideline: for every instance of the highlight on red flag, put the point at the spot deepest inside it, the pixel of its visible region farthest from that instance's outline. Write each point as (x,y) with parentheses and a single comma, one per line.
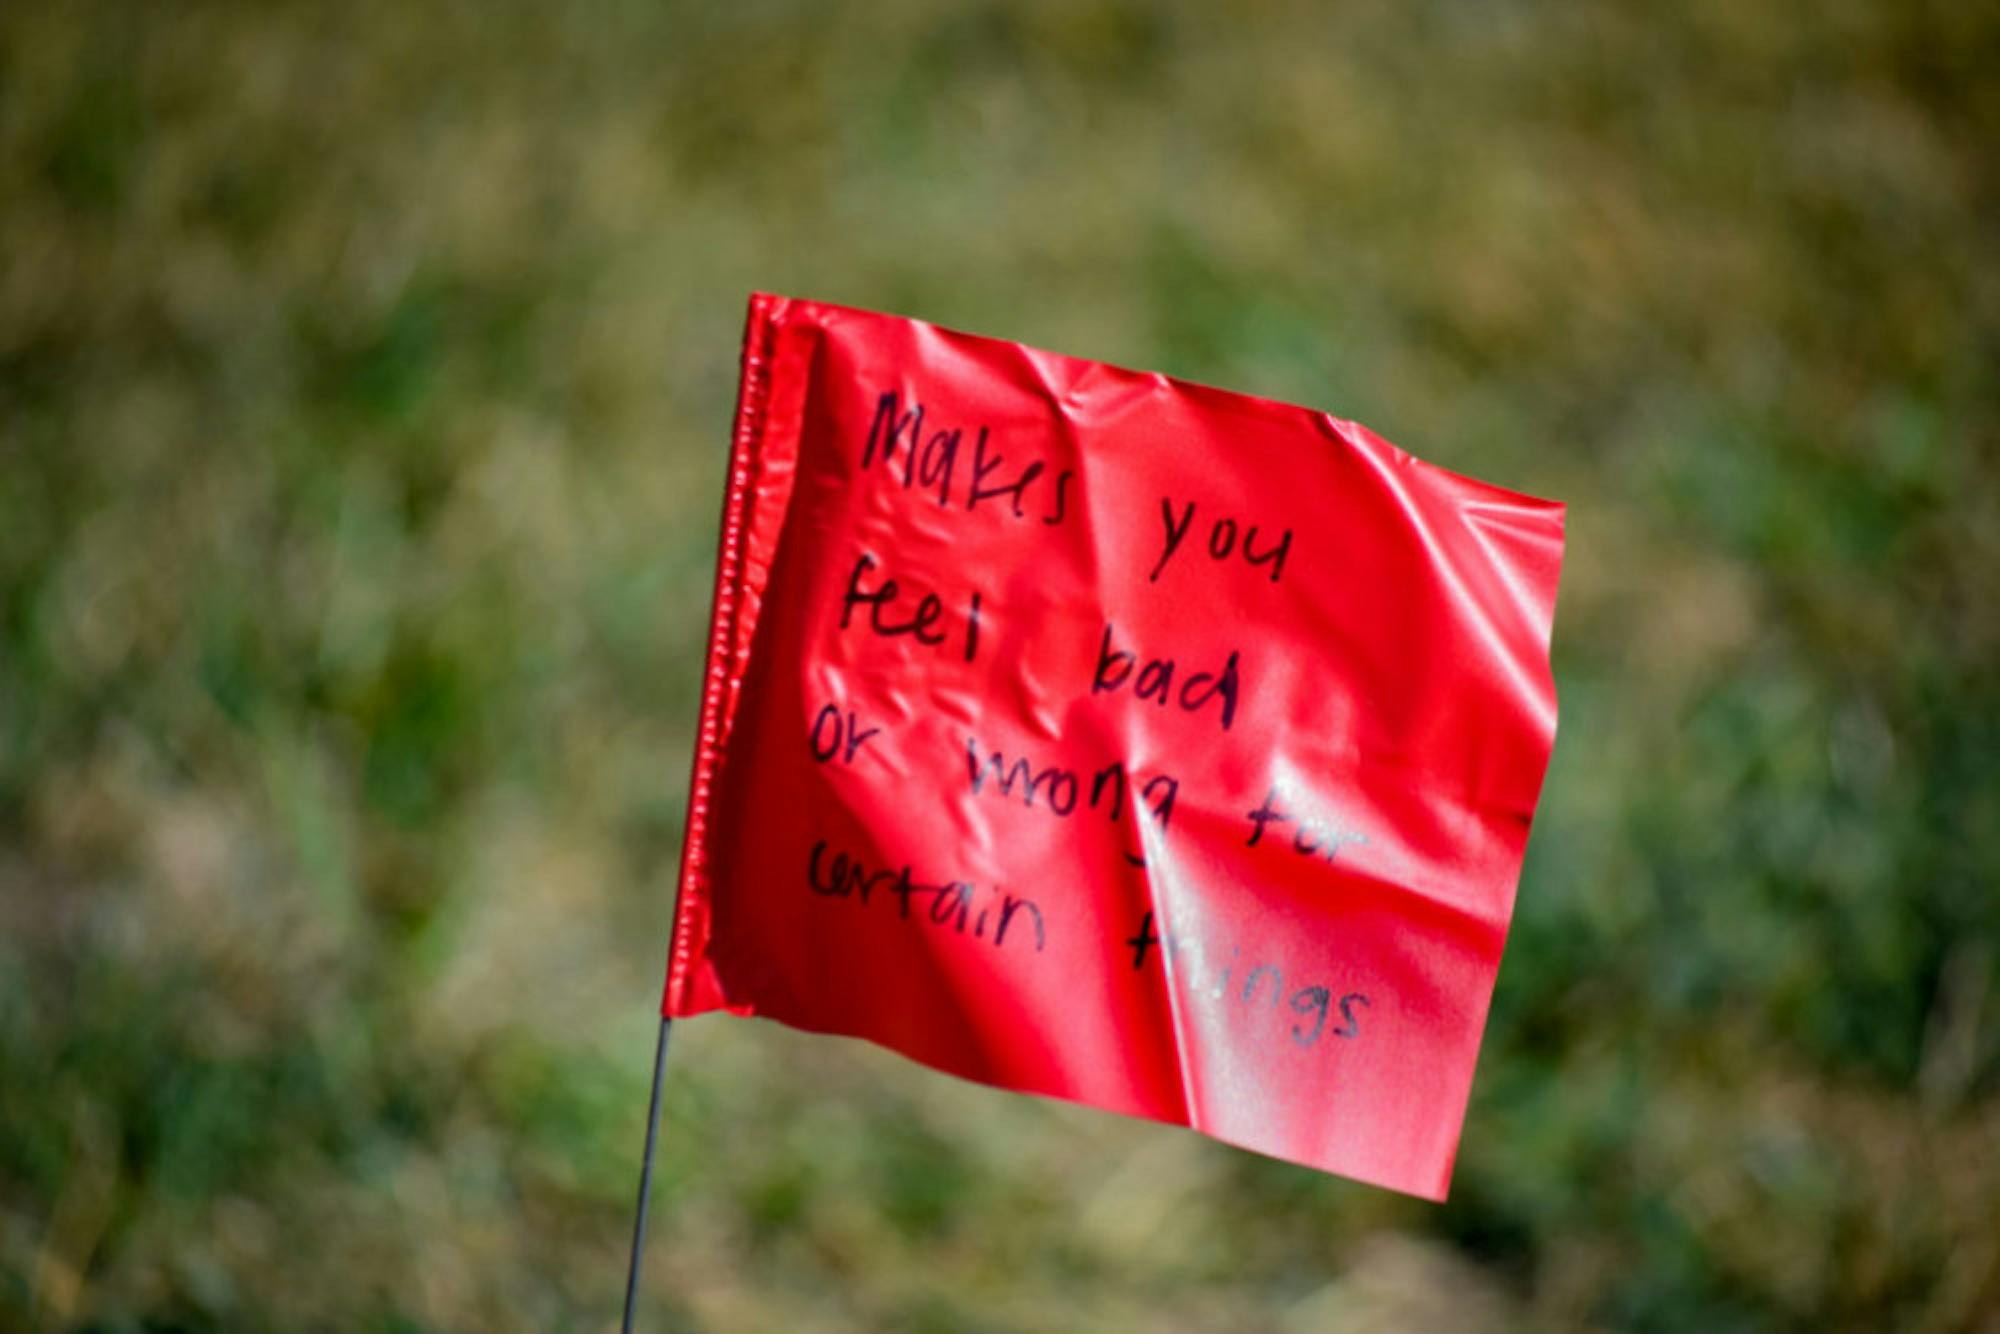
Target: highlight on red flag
(1094,734)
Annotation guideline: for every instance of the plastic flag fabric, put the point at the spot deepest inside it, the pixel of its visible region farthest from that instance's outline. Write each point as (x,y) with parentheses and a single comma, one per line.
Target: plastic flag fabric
(1094,734)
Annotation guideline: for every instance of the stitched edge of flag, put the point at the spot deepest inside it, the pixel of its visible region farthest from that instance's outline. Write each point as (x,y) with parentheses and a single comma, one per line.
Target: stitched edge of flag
(691,908)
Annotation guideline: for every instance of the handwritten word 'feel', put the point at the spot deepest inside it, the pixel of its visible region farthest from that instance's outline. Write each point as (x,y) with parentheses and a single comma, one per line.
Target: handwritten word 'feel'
(1189,962)
(1155,680)
(921,624)
(930,461)
(1221,541)
(951,903)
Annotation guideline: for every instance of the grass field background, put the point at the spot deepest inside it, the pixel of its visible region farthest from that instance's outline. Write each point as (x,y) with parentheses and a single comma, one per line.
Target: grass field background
(365,379)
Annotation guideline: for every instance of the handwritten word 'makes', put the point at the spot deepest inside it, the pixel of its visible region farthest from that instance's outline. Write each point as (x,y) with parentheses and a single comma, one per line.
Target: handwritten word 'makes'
(931,461)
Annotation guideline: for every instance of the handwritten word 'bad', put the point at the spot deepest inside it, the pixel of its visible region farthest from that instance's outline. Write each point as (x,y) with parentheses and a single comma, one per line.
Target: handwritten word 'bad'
(1156,680)
(951,903)
(922,623)
(930,461)
(1189,962)
(1061,789)
(1221,541)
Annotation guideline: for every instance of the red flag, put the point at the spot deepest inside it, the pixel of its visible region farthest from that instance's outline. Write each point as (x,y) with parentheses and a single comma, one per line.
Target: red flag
(1099,735)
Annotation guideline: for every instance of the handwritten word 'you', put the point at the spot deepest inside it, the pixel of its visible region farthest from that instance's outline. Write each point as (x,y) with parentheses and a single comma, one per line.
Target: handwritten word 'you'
(1220,543)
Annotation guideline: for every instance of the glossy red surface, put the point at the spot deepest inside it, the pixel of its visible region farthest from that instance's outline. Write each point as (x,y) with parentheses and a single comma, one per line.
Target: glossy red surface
(1099,735)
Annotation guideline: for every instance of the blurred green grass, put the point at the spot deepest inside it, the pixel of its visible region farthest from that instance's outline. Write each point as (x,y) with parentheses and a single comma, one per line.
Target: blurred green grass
(364,385)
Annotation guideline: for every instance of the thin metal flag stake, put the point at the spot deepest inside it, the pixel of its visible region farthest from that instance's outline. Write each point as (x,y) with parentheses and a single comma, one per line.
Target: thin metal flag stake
(645,1178)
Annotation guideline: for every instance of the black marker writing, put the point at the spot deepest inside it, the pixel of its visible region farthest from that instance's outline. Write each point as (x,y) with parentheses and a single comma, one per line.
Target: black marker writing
(1221,541)
(834,733)
(951,902)
(1155,680)
(1311,836)
(901,440)
(921,624)
(1175,532)
(1313,1005)
(1062,791)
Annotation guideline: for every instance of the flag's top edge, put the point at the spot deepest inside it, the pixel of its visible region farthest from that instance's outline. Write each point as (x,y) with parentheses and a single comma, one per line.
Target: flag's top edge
(1326,423)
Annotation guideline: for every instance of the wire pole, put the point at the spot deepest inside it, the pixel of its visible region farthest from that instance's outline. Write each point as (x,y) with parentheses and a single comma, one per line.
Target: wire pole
(645,1178)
